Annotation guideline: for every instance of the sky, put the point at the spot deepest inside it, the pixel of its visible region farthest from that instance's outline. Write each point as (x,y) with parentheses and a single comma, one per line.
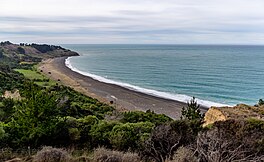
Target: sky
(132,21)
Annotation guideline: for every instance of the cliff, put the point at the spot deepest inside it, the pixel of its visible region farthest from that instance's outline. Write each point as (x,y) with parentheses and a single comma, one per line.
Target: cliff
(240,111)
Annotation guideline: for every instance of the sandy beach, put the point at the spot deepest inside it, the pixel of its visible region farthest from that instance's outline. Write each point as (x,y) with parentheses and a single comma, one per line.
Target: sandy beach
(123,99)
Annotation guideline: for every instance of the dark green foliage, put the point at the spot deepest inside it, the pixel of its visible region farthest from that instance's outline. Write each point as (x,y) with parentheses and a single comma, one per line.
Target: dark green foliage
(2,131)
(192,111)
(130,136)
(100,133)
(75,104)
(43,48)
(261,102)
(9,79)
(21,50)
(1,53)
(85,125)
(71,130)
(34,118)
(5,43)
(149,116)
(7,109)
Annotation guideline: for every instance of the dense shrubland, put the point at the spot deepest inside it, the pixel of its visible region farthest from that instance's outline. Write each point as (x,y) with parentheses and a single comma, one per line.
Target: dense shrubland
(88,130)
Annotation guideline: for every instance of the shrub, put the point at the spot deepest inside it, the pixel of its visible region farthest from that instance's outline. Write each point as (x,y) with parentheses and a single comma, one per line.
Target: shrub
(130,135)
(184,154)
(100,133)
(49,154)
(35,118)
(104,155)
(167,138)
(232,140)
(74,134)
(2,131)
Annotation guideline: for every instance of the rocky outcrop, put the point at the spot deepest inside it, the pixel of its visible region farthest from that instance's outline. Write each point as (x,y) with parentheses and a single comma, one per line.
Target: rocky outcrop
(240,111)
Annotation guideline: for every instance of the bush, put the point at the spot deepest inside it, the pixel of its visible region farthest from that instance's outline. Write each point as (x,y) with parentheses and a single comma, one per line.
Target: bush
(130,135)
(100,133)
(184,154)
(232,140)
(167,138)
(35,118)
(2,131)
(104,155)
(49,154)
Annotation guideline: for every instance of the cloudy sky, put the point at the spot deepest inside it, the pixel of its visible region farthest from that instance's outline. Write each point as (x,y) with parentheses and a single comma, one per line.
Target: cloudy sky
(133,21)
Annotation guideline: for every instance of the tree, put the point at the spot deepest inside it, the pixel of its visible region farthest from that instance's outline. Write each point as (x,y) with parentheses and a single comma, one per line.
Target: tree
(35,117)
(261,102)
(192,111)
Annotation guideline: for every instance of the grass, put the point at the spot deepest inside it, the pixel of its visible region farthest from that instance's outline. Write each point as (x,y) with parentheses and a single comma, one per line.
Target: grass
(37,77)
(30,74)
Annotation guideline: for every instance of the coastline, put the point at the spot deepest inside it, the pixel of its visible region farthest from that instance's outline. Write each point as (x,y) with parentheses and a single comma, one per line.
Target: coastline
(123,99)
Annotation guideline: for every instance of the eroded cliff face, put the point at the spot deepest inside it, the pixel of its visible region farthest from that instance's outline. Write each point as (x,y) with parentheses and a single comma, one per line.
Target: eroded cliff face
(240,111)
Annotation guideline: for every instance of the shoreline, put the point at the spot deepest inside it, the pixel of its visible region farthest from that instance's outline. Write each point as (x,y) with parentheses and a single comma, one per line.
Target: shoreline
(123,99)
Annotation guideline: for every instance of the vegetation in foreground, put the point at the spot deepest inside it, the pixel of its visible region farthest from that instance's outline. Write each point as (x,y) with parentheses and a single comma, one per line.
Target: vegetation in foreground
(88,130)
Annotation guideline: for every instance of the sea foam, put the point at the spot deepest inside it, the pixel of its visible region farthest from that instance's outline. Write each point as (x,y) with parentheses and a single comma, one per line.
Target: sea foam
(164,95)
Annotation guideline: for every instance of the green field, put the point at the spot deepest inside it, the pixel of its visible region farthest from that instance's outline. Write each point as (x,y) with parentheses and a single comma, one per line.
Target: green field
(37,77)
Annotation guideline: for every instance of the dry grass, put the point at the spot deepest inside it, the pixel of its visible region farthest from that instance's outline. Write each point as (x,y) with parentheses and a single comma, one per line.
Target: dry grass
(105,155)
(7,154)
(184,154)
(50,154)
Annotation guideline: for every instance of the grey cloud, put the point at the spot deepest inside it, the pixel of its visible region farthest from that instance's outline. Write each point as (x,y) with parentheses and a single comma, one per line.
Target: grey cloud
(191,21)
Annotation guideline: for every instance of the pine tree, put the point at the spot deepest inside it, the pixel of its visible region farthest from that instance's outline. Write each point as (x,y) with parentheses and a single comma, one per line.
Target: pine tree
(192,111)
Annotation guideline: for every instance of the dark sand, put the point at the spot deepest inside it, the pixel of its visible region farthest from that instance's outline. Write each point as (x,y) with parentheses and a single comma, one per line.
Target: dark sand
(123,99)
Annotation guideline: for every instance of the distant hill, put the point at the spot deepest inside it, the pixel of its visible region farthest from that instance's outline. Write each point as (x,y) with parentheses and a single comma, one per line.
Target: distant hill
(32,52)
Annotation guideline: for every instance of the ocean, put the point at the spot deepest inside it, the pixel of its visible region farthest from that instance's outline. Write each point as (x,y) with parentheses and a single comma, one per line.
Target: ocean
(216,75)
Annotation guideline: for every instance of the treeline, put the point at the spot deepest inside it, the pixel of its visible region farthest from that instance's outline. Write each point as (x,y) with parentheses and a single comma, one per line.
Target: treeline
(44,48)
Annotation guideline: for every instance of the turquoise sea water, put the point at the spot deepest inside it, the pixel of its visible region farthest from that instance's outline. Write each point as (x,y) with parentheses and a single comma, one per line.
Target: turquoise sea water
(214,74)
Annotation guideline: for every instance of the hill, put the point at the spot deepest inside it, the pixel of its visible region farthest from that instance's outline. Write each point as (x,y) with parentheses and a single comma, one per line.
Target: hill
(30,53)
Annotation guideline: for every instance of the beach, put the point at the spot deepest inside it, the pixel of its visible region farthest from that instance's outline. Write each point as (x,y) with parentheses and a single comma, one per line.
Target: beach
(119,97)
